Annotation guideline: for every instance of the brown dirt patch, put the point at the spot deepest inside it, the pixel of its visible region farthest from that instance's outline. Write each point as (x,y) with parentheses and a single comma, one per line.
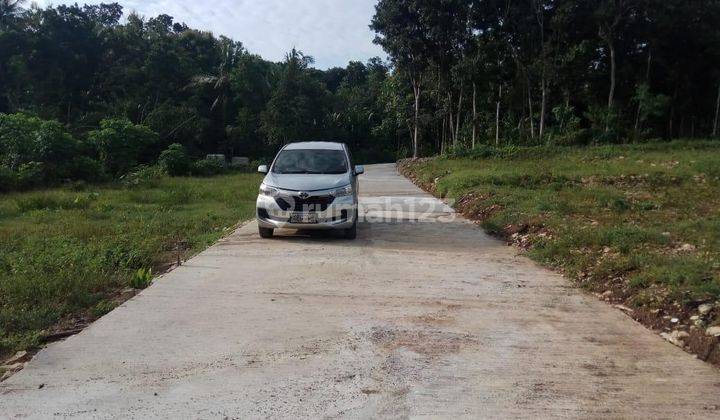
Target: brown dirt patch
(432,343)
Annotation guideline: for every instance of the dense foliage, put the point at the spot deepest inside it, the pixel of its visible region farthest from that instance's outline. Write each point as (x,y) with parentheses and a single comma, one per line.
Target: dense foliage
(113,92)
(126,88)
(555,71)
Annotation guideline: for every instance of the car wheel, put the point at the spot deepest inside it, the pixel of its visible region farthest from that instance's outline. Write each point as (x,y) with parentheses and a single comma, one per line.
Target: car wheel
(265,232)
(351,232)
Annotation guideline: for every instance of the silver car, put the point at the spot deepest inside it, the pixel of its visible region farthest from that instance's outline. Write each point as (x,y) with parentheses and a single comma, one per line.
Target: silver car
(310,185)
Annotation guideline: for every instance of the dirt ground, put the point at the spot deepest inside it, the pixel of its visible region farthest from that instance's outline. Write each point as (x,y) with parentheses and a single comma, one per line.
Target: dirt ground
(422,315)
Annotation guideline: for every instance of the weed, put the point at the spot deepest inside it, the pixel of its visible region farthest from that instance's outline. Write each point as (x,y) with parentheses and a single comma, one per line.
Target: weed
(141,279)
(103,307)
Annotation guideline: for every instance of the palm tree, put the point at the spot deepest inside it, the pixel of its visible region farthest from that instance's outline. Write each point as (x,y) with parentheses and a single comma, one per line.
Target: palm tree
(220,83)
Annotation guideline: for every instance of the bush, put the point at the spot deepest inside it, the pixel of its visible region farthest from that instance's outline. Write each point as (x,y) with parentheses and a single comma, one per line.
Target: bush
(175,160)
(208,167)
(35,150)
(123,145)
(30,174)
(87,169)
(8,179)
(143,176)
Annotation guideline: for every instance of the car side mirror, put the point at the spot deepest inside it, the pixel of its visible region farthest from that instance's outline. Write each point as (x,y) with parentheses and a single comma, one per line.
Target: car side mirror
(263,169)
(359,169)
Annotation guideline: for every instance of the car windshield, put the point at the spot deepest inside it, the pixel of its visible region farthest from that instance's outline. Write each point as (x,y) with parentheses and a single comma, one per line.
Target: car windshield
(308,161)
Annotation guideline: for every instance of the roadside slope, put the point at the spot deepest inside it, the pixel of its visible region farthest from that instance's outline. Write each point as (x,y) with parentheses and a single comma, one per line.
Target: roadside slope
(638,225)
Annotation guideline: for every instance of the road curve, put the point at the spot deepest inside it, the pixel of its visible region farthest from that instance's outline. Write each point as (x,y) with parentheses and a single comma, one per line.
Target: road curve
(422,315)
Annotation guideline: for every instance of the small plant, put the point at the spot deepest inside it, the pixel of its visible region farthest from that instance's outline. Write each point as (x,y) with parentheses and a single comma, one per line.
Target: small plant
(103,307)
(141,278)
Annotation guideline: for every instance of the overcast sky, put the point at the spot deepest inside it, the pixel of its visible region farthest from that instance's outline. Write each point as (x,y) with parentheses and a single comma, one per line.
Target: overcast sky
(332,31)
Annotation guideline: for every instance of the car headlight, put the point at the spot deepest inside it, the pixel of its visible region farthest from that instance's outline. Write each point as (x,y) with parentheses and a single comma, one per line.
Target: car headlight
(268,190)
(343,191)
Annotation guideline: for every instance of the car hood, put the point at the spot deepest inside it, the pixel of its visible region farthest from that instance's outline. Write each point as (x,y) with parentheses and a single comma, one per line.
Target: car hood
(306,182)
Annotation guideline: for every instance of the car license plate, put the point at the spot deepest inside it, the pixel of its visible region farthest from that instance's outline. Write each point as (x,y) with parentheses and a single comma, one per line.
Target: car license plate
(303,218)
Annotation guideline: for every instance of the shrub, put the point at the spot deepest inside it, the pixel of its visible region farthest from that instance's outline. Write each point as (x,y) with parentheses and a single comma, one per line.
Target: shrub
(143,176)
(8,179)
(603,124)
(30,174)
(175,160)
(86,168)
(123,145)
(37,150)
(208,167)
(141,278)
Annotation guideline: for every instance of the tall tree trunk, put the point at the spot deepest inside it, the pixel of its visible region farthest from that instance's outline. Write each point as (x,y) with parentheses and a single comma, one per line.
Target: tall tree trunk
(672,112)
(442,122)
(647,80)
(457,116)
(681,132)
(474,114)
(442,143)
(540,16)
(497,117)
(692,127)
(543,107)
(717,115)
(530,105)
(416,92)
(613,64)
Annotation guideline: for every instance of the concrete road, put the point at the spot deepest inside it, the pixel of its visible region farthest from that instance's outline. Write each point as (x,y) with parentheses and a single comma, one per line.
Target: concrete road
(418,317)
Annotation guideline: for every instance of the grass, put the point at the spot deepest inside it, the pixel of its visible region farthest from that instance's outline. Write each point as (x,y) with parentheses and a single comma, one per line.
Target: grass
(640,220)
(66,252)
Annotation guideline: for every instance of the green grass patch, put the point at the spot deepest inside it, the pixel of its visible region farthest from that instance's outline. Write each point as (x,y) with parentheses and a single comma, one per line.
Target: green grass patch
(64,252)
(601,213)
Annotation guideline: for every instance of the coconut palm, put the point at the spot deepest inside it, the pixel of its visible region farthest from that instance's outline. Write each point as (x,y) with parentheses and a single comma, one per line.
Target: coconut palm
(220,83)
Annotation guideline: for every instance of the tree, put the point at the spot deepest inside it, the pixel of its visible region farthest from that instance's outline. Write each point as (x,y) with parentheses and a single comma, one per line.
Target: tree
(297,107)
(9,9)
(220,85)
(175,160)
(123,145)
(612,16)
(403,36)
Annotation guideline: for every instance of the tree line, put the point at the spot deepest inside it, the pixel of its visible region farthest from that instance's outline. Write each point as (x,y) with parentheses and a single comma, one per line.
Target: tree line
(554,71)
(88,93)
(114,92)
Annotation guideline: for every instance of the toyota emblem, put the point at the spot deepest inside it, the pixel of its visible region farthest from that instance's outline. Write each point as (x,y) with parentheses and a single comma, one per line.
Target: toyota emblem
(304,195)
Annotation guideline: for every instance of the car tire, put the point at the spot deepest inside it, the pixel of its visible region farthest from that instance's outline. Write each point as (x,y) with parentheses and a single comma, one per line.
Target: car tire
(351,232)
(265,232)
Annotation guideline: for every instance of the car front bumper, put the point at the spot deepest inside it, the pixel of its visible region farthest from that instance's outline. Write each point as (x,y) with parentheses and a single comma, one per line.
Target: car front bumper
(340,214)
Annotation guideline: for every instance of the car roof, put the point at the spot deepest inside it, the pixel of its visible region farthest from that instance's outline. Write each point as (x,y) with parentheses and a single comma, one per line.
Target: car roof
(323,145)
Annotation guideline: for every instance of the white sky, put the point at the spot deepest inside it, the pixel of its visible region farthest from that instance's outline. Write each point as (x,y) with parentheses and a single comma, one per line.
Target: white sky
(332,31)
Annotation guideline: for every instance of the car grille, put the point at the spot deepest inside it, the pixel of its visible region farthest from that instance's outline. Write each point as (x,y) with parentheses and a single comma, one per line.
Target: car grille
(310,203)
